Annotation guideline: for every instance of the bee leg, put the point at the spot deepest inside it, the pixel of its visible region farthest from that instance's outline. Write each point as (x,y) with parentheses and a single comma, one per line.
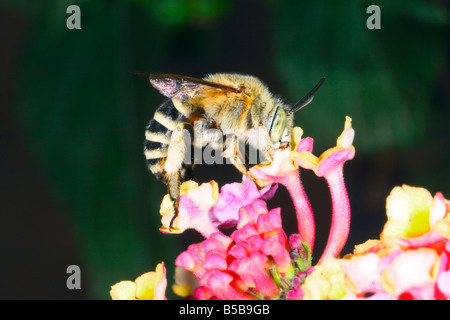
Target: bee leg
(174,168)
(204,135)
(267,150)
(175,205)
(173,186)
(233,153)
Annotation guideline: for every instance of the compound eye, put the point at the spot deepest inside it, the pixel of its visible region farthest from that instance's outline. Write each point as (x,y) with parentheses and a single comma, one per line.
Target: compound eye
(278,125)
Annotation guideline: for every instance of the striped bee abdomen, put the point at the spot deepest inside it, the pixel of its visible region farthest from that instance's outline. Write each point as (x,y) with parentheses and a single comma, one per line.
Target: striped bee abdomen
(157,145)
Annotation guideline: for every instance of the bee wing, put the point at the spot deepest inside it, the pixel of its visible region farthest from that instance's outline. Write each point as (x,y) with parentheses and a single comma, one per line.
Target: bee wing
(182,87)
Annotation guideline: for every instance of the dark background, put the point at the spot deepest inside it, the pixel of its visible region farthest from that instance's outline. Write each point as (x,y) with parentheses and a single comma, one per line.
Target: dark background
(74,185)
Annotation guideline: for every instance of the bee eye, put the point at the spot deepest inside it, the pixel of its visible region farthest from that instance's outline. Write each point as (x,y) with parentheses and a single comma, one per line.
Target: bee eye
(278,125)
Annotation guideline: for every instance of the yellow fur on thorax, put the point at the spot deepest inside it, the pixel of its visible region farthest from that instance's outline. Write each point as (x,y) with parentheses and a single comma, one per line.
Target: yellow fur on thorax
(254,94)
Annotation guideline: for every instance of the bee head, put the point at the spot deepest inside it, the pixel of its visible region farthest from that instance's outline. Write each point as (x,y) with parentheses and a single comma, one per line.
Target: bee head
(280,124)
(282,118)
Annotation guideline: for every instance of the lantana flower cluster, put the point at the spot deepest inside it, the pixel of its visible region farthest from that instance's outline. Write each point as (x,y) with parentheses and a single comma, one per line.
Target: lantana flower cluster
(258,260)
(411,260)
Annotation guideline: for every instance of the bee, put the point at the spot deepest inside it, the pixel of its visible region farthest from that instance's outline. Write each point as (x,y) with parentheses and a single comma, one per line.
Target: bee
(227,108)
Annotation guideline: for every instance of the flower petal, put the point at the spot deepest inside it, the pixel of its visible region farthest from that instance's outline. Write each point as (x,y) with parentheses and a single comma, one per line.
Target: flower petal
(438,208)
(282,165)
(408,211)
(326,282)
(149,286)
(334,160)
(296,137)
(193,210)
(345,140)
(331,158)
(219,284)
(124,290)
(443,283)
(412,268)
(251,212)
(152,285)
(364,273)
(305,144)
(253,272)
(234,196)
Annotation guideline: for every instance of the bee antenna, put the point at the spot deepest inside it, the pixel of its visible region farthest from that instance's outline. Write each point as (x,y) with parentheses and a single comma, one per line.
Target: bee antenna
(308,98)
(143,74)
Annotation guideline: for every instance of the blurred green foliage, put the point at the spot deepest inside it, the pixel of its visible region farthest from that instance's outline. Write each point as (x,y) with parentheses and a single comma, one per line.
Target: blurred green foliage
(84,114)
(383,79)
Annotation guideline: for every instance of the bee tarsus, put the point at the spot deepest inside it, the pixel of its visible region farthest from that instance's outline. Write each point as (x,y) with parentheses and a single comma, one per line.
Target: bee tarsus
(175,206)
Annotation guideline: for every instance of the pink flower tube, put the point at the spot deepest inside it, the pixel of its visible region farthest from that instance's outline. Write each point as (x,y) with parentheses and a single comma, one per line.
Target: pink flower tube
(330,165)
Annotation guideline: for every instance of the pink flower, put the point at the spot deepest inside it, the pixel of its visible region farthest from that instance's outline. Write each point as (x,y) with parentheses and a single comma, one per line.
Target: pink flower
(194,206)
(443,277)
(330,166)
(411,261)
(254,262)
(364,273)
(204,209)
(258,256)
(257,260)
(333,158)
(411,272)
(283,170)
(233,197)
(210,254)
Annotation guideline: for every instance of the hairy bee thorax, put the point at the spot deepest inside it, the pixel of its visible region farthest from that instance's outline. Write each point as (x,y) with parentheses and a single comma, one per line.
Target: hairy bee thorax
(251,106)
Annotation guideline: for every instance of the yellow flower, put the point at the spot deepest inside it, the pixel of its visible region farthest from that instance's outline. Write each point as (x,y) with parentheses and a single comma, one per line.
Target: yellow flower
(149,286)
(371,245)
(408,212)
(326,282)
